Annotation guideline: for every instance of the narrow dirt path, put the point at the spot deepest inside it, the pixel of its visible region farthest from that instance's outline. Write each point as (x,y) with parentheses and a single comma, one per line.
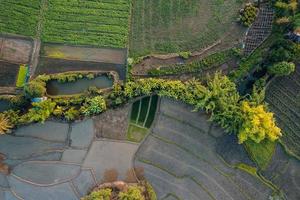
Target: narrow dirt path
(37,41)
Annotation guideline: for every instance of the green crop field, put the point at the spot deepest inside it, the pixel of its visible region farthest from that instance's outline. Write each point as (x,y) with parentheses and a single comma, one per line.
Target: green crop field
(19,16)
(100,23)
(160,26)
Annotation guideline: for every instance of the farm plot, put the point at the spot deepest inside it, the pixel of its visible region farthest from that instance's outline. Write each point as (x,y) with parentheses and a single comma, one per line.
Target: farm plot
(100,23)
(164,26)
(141,118)
(8,74)
(283,98)
(19,17)
(180,159)
(15,50)
(53,65)
(284,171)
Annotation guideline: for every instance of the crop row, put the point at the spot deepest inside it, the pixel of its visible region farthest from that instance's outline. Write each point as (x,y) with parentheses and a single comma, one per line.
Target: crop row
(196,66)
(97,23)
(19,17)
(283,98)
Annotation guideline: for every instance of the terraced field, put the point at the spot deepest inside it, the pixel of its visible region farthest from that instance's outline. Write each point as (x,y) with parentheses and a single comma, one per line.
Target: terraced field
(181,159)
(160,26)
(19,17)
(283,96)
(100,23)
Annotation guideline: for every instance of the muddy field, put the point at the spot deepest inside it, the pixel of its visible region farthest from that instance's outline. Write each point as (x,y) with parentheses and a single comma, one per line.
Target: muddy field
(51,66)
(15,50)
(8,74)
(182,159)
(104,55)
(283,97)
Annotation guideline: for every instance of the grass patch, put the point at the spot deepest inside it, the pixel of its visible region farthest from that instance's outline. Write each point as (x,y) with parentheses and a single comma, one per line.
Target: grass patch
(136,133)
(22,76)
(261,153)
(152,111)
(165,26)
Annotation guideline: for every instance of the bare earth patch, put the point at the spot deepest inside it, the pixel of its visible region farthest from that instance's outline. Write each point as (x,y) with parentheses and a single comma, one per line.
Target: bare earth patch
(113,123)
(15,50)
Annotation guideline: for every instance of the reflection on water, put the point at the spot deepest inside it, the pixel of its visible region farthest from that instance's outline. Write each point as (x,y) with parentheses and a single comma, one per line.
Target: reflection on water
(56,88)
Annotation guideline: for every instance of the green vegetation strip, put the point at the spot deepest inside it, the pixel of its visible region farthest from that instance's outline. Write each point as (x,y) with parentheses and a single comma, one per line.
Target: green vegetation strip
(22,76)
(197,66)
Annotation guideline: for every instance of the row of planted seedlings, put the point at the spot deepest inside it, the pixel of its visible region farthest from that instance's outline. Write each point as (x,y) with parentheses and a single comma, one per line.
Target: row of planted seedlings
(36,105)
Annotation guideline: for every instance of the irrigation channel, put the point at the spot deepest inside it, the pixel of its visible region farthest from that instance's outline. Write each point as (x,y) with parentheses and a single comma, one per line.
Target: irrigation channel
(55,87)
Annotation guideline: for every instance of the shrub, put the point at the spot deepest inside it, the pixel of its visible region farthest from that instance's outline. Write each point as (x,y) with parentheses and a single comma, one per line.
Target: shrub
(5,125)
(132,193)
(39,112)
(103,194)
(248,14)
(94,106)
(150,191)
(90,76)
(72,113)
(12,116)
(35,88)
(58,111)
(282,68)
(185,54)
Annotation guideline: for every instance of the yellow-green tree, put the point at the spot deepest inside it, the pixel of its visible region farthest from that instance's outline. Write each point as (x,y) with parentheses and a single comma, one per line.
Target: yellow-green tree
(258,124)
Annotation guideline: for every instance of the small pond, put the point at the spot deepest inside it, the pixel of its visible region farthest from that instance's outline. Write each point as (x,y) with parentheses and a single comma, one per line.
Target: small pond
(4,105)
(56,88)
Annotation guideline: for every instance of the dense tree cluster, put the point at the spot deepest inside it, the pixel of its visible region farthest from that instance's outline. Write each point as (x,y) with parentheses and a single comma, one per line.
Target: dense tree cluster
(218,96)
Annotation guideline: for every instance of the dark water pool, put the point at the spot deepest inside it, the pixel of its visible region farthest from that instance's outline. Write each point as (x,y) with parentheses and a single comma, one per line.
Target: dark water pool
(4,105)
(56,88)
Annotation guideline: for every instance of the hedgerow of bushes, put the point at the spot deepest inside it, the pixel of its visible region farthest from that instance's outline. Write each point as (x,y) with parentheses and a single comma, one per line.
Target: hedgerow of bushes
(219,98)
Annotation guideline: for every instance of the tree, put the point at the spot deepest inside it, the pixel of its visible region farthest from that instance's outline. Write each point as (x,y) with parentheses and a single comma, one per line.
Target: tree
(94,106)
(35,89)
(258,124)
(248,14)
(39,112)
(282,68)
(5,125)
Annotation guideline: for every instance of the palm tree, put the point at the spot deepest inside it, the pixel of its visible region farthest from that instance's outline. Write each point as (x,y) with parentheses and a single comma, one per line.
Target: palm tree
(4,124)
